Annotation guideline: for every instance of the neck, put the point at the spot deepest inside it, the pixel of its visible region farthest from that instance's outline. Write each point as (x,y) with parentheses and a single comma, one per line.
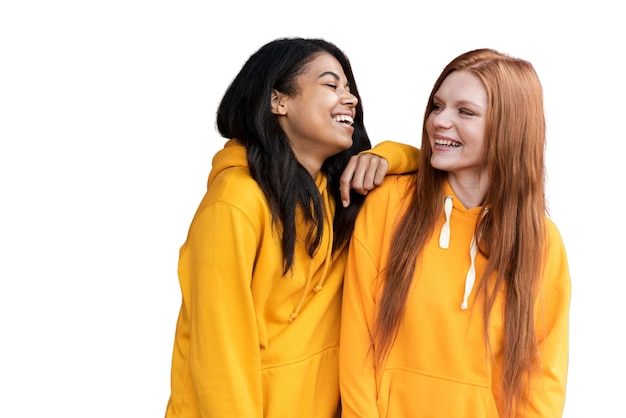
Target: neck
(311,164)
(471,191)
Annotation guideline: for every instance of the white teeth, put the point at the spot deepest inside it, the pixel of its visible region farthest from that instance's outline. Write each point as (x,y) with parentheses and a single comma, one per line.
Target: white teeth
(344,118)
(447,143)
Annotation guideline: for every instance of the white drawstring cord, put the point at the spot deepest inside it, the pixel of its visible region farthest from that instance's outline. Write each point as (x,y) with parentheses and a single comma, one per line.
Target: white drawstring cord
(444,236)
(470,278)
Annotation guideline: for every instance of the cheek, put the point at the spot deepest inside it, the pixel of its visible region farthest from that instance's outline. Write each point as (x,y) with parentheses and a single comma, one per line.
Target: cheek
(481,142)
(429,124)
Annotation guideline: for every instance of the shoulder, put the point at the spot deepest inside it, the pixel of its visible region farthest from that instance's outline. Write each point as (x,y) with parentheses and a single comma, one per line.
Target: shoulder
(233,196)
(383,207)
(392,194)
(554,238)
(556,271)
(233,182)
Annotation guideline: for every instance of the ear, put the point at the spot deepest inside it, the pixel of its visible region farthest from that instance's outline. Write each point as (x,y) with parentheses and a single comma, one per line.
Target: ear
(278,102)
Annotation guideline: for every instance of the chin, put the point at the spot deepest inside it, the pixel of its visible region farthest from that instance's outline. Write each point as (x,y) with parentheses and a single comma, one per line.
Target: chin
(344,145)
(438,164)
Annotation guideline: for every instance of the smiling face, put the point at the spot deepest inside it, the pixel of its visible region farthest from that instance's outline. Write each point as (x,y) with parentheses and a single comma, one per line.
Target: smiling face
(456,126)
(318,118)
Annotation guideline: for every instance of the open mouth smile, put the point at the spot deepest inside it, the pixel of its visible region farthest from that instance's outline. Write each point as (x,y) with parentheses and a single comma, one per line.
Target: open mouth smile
(347,119)
(447,143)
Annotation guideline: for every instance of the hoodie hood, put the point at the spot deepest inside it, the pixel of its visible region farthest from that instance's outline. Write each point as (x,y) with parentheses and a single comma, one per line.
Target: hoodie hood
(232,155)
(320,265)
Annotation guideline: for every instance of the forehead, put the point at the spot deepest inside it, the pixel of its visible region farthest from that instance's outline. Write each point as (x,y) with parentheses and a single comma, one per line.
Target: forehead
(463,85)
(321,64)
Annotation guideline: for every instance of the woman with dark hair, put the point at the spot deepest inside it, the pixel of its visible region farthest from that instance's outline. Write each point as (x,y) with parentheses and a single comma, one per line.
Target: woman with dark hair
(457,288)
(262,269)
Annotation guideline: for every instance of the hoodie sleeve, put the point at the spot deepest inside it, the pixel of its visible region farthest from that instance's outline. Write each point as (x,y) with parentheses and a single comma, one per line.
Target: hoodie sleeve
(402,158)
(547,397)
(217,263)
(357,374)
(356,367)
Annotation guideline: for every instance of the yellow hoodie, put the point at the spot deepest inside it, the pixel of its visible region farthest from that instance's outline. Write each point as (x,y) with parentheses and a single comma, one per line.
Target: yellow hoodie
(439,365)
(249,341)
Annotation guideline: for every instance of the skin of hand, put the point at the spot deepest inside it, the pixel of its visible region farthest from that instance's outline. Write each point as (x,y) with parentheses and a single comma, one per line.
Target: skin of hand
(363,173)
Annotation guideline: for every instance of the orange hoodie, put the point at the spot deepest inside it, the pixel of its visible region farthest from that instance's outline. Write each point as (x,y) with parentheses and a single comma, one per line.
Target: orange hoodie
(439,364)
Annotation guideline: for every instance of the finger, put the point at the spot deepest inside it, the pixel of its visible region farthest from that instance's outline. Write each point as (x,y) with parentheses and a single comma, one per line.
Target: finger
(361,172)
(381,172)
(345,181)
(376,171)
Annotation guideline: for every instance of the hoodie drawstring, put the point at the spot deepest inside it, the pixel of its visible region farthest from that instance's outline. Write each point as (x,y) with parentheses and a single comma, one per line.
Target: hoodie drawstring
(296,311)
(470,278)
(444,236)
(444,243)
(327,261)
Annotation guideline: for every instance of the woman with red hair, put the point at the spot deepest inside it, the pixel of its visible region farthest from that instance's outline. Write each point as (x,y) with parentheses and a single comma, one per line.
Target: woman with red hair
(457,288)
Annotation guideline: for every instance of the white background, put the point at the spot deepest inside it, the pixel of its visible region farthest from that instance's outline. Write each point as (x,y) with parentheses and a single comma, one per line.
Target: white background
(107,112)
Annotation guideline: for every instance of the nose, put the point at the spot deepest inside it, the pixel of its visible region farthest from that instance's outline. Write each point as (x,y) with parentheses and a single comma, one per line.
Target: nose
(349,99)
(440,118)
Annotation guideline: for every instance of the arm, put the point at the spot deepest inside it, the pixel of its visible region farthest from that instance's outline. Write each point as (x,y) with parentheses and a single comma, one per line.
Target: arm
(367,170)
(357,377)
(547,396)
(224,347)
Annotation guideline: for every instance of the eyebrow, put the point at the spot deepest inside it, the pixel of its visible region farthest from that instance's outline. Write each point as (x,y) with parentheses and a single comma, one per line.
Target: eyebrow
(333,74)
(461,102)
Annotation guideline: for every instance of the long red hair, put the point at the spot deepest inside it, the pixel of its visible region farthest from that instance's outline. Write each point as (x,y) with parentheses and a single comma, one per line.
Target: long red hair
(512,233)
